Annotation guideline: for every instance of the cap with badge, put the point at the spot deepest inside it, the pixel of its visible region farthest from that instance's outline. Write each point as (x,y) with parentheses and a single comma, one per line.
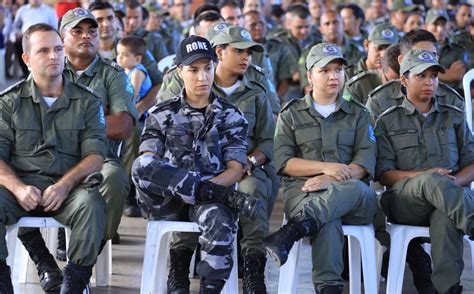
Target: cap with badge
(154,7)
(73,17)
(194,48)
(214,30)
(322,54)
(384,34)
(237,37)
(417,61)
(434,14)
(405,5)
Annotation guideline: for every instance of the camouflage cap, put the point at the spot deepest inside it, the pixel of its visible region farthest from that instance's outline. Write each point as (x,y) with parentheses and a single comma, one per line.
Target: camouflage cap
(73,17)
(237,37)
(154,7)
(384,34)
(405,5)
(433,14)
(214,30)
(322,54)
(418,60)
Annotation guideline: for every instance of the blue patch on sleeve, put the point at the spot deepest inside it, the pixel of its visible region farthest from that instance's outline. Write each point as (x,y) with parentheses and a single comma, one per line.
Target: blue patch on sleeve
(101,115)
(371,133)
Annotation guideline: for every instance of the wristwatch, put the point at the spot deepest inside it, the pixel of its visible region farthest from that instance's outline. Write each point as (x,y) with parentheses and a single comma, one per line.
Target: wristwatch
(253,160)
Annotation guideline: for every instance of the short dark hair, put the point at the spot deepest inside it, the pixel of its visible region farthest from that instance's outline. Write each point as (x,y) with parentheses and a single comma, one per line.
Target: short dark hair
(253,12)
(231,3)
(205,8)
(413,37)
(133,4)
(99,5)
(299,11)
(356,10)
(390,58)
(209,15)
(136,45)
(40,27)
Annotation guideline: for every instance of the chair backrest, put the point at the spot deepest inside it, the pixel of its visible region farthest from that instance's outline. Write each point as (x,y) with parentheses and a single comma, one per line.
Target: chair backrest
(466,84)
(166,63)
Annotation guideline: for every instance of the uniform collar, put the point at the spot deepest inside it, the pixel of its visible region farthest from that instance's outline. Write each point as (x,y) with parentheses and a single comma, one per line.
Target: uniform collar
(91,69)
(341,104)
(214,106)
(411,109)
(139,33)
(397,94)
(244,83)
(30,90)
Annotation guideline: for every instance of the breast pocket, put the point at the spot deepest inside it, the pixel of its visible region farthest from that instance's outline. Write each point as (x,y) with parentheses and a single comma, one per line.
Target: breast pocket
(308,140)
(69,132)
(27,137)
(179,141)
(449,147)
(345,145)
(406,148)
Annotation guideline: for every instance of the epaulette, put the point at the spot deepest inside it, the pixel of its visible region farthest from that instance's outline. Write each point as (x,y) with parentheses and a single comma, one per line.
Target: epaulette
(278,34)
(288,104)
(258,68)
(87,88)
(174,67)
(275,39)
(113,64)
(258,85)
(166,102)
(358,77)
(451,107)
(450,89)
(371,93)
(14,86)
(348,97)
(391,109)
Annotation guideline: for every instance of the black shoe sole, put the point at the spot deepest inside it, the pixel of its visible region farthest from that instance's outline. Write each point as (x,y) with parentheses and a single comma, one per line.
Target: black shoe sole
(53,285)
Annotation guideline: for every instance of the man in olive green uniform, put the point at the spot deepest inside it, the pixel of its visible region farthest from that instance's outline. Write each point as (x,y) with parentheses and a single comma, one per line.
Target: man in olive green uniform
(450,55)
(134,26)
(52,146)
(156,23)
(426,158)
(390,94)
(382,36)
(283,62)
(84,65)
(344,138)
(333,32)
(360,85)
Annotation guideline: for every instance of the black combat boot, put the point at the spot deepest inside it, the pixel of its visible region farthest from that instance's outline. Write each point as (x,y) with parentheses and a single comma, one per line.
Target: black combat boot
(211,286)
(420,265)
(61,250)
(254,273)
(329,289)
(6,286)
(279,244)
(178,277)
(456,289)
(131,208)
(247,206)
(50,275)
(76,279)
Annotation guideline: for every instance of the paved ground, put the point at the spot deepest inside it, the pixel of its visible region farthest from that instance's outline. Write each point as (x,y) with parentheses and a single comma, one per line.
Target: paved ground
(128,260)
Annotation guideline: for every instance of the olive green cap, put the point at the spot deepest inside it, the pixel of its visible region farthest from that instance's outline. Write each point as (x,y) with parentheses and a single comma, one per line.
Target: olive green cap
(214,30)
(405,5)
(433,14)
(384,34)
(154,7)
(322,54)
(418,60)
(237,37)
(73,17)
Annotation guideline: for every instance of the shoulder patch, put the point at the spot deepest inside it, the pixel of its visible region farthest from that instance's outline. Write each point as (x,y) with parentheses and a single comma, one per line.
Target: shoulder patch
(451,107)
(391,109)
(258,68)
(12,87)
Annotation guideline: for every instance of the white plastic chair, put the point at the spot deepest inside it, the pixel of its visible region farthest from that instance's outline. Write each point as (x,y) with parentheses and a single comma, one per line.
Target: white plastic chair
(166,63)
(2,68)
(155,265)
(466,84)
(361,240)
(49,226)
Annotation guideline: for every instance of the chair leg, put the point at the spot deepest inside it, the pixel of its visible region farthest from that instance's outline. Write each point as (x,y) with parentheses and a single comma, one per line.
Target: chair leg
(396,264)
(354,265)
(150,258)
(288,281)
(102,266)
(369,266)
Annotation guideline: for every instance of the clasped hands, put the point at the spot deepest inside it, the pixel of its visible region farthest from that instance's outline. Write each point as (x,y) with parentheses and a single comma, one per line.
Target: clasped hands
(332,172)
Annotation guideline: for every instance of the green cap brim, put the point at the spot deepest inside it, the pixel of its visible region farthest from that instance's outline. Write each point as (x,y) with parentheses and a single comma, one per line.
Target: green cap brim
(436,18)
(409,8)
(248,45)
(424,66)
(74,23)
(382,42)
(326,60)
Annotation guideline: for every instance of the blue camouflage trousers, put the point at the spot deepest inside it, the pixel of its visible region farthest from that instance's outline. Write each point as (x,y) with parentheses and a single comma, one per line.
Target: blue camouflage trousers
(166,192)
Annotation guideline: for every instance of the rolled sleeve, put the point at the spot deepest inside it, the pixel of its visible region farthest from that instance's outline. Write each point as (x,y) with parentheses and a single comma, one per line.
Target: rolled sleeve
(120,99)
(465,145)
(92,138)
(6,133)
(265,128)
(285,147)
(365,147)
(235,134)
(385,151)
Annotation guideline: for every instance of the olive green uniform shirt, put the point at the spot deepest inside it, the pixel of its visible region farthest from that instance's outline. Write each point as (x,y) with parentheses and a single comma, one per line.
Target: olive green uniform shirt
(354,69)
(360,85)
(49,141)
(154,43)
(447,55)
(111,84)
(464,39)
(284,63)
(345,136)
(390,94)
